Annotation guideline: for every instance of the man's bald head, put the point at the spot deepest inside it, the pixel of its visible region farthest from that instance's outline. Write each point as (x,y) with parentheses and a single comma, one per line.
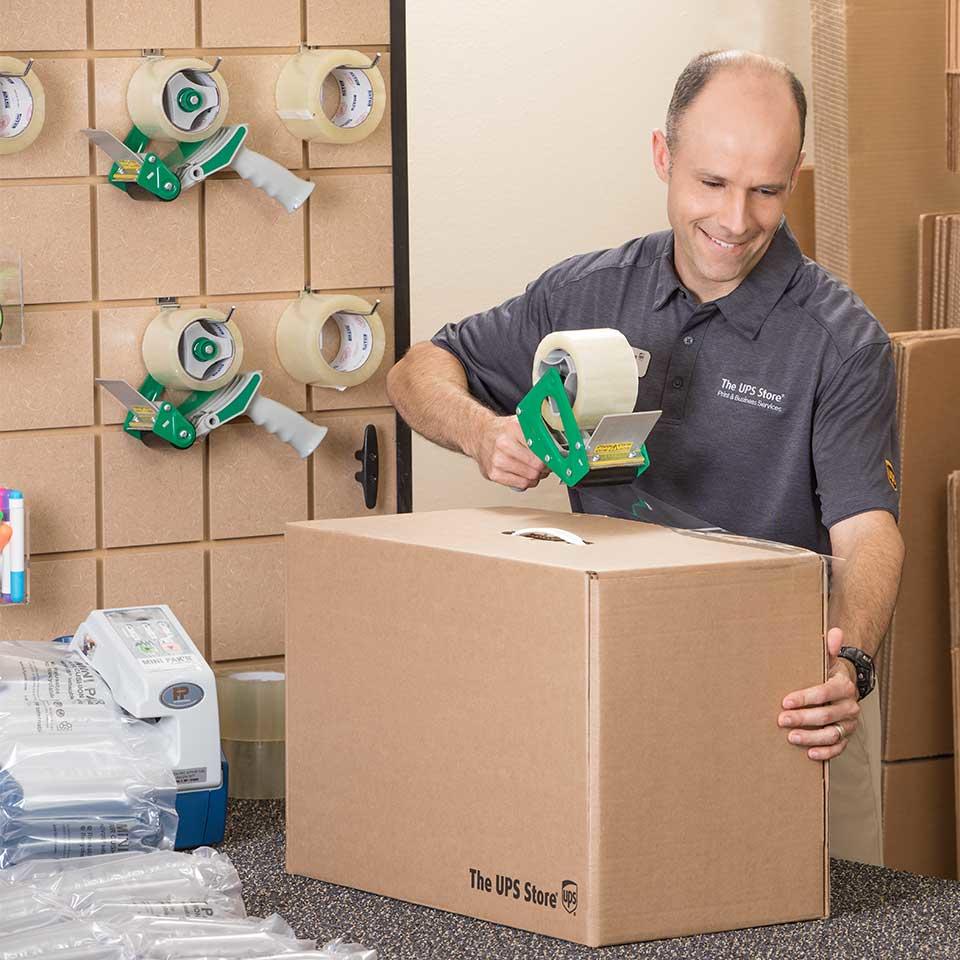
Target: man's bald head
(698,72)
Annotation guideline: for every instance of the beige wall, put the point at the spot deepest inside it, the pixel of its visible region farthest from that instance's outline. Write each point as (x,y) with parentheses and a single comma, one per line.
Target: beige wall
(529,127)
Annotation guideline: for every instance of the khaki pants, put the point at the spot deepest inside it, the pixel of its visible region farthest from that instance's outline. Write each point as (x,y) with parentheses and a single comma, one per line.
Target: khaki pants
(856,822)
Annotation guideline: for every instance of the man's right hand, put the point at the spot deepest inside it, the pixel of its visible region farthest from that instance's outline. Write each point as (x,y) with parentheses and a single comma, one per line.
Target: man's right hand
(502,454)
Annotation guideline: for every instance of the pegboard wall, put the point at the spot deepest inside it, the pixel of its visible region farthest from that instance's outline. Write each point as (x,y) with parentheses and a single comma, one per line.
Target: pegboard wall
(112,521)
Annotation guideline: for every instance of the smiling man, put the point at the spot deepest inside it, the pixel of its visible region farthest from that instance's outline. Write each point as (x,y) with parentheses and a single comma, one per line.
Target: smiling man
(776,385)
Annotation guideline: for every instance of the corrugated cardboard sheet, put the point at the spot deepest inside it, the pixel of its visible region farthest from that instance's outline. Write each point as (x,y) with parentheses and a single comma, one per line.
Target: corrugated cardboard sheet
(939,271)
(880,65)
(953,539)
(919,825)
(915,661)
(484,723)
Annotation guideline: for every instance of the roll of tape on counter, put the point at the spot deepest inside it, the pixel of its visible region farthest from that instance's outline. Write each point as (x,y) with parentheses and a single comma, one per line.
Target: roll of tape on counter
(300,340)
(252,732)
(22,106)
(300,96)
(599,373)
(177,98)
(192,349)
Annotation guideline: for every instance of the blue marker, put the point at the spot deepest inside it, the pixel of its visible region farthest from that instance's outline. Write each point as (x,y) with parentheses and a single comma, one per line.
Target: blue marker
(18,592)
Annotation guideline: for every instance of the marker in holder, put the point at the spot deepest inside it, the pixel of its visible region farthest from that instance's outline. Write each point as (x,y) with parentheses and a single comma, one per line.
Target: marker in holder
(14,552)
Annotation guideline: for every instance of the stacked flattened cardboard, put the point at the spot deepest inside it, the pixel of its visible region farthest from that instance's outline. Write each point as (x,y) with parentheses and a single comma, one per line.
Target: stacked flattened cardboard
(953,85)
(938,288)
(880,144)
(953,551)
(919,822)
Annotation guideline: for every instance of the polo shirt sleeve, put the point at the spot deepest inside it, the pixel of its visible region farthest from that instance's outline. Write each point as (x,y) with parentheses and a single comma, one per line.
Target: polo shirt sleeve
(496,347)
(856,451)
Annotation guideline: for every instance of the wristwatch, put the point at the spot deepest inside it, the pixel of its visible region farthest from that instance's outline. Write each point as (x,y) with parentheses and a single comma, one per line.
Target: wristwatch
(863,665)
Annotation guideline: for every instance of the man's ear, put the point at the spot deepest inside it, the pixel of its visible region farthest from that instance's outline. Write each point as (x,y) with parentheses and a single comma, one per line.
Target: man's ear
(796,171)
(661,155)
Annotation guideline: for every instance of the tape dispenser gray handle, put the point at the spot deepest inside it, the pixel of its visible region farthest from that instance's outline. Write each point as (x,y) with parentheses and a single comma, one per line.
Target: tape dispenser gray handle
(553,533)
(276,181)
(289,426)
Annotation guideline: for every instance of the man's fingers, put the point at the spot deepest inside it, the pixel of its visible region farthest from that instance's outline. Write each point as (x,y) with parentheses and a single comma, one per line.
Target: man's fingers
(826,736)
(821,716)
(836,688)
(505,463)
(827,753)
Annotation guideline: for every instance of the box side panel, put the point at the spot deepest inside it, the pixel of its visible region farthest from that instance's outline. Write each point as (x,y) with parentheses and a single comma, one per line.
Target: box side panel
(917,699)
(919,823)
(709,819)
(436,727)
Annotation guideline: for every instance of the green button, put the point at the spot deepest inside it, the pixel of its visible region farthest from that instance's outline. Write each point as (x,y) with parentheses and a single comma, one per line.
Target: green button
(205,349)
(189,99)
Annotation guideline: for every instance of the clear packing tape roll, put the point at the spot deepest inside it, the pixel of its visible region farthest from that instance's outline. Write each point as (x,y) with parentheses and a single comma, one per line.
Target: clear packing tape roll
(177,98)
(192,348)
(302,88)
(22,106)
(599,372)
(253,732)
(300,340)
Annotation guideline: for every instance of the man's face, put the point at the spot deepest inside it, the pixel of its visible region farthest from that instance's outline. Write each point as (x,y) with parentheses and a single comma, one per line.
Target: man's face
(733,167)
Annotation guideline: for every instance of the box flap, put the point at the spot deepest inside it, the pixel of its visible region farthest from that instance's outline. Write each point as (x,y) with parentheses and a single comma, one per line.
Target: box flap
(613,546)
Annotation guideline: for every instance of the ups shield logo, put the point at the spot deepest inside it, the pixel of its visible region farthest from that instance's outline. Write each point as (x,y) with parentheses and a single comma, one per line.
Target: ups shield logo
(568,895)
(891,475)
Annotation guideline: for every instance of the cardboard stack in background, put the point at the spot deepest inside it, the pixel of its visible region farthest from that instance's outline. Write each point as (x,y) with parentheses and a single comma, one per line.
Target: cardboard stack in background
(953,545)
(495,716)
(953,85)
(878,111)
(919,825)
(938,287)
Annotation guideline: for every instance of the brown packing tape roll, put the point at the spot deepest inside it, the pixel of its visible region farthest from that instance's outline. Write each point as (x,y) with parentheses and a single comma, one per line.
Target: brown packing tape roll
(22,107)
(253,732)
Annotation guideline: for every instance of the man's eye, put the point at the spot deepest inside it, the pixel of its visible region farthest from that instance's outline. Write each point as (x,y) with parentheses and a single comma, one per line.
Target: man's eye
(769,193)
(711,183)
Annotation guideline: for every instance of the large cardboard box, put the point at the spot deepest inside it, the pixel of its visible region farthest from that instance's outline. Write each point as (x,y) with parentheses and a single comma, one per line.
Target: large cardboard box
(579,740)
(919,828)
(915,660)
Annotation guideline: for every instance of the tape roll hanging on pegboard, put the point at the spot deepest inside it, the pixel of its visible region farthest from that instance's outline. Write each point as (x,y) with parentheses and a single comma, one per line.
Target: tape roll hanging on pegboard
(300,340)
(177,98)
(192,349)
(300,95)
(599,373)
(22,106)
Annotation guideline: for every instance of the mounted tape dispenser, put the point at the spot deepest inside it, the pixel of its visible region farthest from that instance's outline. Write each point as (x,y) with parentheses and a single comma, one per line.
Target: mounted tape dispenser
(201,350)
(156,673)
(578,417)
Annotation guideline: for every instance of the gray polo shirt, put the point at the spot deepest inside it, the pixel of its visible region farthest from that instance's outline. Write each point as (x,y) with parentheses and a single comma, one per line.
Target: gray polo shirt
(779,399)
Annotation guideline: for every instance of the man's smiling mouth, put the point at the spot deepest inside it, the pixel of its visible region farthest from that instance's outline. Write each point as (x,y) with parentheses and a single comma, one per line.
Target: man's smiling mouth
(722,244)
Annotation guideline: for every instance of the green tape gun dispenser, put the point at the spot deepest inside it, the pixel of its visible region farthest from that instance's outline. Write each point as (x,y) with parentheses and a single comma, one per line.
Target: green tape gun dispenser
(578,417)
(200,350)
(185,100)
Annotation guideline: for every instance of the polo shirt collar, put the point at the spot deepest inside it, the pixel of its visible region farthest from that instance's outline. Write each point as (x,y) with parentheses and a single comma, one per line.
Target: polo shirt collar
(760,291)
(747,307)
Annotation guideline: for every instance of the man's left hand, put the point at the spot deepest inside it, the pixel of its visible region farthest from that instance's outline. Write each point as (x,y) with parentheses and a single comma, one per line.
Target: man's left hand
(816,716)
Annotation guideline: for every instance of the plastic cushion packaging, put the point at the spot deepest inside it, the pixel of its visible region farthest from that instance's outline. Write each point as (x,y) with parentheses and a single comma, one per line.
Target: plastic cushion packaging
(72,935)
(78,778)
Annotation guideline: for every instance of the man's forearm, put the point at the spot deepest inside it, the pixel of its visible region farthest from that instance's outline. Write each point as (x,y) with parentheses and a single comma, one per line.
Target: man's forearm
(429,389)
(864,587)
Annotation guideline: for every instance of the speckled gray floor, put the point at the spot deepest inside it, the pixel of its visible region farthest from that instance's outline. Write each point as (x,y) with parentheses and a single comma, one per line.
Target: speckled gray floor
(876,914)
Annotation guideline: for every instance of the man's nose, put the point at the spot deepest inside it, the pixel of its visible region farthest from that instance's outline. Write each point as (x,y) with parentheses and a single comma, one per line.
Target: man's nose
(734,214)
